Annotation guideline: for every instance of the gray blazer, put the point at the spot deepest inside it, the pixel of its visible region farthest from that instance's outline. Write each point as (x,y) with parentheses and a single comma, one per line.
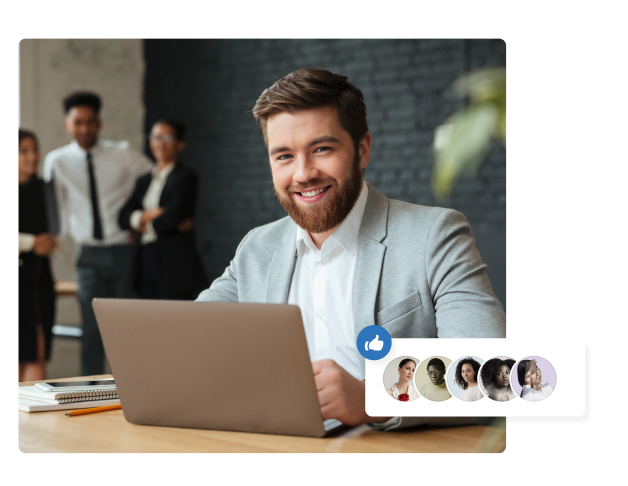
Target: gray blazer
(417,273)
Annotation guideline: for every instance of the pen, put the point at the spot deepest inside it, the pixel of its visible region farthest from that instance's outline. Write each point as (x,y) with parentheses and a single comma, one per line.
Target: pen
(95,409)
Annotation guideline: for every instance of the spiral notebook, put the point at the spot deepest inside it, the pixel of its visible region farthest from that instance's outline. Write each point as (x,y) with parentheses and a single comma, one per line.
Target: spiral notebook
(33,399)
(69,396)
(33,405)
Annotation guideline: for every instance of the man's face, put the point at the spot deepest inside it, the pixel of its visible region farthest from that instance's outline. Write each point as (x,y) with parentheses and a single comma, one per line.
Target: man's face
(82,124)
(316,170)
(436,374)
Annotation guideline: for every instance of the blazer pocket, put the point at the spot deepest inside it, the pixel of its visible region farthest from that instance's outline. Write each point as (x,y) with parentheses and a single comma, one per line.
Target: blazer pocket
(399,309)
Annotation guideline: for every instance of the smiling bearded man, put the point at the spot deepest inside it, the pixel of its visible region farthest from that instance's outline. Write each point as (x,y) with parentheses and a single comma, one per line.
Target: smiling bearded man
(348,256)
(330,212)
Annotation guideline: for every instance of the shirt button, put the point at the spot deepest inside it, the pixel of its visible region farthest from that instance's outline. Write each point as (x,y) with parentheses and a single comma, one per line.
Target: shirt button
(320,315)
(323,262)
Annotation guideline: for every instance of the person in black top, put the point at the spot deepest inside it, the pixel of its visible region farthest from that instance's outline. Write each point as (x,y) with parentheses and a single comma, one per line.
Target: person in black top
(37,296)
(166,264)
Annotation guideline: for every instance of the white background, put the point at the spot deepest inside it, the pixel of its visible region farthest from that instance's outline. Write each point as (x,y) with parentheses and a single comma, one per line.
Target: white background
(566,267)
(567,399)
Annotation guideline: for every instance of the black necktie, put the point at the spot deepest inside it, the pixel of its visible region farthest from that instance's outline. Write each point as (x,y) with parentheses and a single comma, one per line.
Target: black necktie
(94,196)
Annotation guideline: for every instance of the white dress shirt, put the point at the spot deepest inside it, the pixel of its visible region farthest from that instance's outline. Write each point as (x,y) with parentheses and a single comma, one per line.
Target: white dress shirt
(151,201)
(322,287)
(530,394)
(116,168)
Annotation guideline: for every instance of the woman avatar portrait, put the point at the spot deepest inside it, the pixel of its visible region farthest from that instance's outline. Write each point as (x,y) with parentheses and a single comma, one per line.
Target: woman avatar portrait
(403,390)
(530,376)
(466,377)
(495,376)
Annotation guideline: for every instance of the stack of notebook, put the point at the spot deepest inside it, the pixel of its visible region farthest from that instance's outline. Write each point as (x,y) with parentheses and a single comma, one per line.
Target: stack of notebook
(32,399)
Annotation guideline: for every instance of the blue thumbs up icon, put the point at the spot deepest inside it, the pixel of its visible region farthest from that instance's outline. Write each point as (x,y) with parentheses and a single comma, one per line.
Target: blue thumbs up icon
(374,342)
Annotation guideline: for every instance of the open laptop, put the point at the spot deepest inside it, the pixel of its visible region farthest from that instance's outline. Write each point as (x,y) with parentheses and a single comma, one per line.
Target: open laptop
(222,366)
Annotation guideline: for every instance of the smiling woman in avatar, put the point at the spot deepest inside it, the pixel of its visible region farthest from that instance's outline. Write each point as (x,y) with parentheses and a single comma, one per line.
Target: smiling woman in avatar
(467,371)
(404,389)
(495,375)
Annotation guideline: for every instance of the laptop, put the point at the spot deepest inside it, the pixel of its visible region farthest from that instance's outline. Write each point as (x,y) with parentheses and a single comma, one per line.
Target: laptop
(212,365)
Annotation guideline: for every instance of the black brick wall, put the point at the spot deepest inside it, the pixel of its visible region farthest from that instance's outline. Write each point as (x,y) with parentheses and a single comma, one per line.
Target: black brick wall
(213,84)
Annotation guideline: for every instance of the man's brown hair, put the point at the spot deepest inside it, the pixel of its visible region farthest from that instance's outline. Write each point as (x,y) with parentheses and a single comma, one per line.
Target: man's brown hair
(312,88)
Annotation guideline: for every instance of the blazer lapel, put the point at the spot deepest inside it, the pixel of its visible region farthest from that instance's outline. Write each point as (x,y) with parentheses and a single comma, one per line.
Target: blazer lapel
(281,268)
(171,182)
(368,262)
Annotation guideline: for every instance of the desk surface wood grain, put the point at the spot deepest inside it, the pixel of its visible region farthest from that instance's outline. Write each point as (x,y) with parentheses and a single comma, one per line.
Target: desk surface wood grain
(109,432)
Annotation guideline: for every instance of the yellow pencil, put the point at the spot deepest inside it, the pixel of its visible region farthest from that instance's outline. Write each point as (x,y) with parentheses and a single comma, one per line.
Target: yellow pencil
(94,410)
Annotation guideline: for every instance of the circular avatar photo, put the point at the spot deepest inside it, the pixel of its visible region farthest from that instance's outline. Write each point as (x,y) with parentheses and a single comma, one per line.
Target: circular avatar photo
(495,378)
(463,378)
(534,379)
(399,378)
(430,378)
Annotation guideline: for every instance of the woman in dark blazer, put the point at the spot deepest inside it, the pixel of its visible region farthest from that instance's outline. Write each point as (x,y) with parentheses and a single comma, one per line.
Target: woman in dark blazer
(37,296)
(166,264)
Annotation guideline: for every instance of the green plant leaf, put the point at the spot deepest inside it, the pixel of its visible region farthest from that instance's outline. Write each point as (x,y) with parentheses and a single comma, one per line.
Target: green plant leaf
(465,147)
(488,84)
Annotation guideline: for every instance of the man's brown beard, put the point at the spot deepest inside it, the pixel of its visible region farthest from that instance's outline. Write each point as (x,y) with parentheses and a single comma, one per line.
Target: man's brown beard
(333,210)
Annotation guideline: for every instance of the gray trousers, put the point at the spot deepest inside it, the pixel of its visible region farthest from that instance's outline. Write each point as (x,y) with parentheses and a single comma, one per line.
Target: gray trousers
(102,271)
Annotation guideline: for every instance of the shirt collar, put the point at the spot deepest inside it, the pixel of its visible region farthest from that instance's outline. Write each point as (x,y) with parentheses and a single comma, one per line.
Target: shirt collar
(76,147)
(346,234)
(163,173)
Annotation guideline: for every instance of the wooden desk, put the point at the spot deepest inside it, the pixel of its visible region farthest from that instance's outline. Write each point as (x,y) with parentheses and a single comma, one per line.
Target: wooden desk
(109,432)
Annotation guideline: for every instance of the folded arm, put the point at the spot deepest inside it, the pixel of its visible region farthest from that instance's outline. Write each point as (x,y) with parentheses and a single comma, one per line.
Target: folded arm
(180,206)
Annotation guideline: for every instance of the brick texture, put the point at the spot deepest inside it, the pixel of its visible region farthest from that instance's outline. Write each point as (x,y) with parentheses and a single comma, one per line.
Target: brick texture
(213,84)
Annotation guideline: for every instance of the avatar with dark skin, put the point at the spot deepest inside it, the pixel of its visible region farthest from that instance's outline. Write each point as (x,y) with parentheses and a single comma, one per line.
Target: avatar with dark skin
(500,388)
(468,374)
(436,374)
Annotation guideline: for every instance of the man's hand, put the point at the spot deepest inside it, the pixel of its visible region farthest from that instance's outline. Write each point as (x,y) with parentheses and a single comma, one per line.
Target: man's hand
(185,225)
(150,215)
(530,370)
(340,395)
(44,244)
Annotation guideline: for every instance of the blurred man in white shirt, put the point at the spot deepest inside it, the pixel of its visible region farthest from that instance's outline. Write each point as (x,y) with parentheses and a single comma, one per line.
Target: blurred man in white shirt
(93,178)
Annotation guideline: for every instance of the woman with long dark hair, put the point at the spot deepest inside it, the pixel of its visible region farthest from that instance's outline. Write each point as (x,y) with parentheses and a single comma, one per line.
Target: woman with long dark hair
(495,375)
(37,296)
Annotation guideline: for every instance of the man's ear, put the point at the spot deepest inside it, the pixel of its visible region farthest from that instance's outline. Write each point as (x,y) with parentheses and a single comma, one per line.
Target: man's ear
(66,125)
(364,149)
